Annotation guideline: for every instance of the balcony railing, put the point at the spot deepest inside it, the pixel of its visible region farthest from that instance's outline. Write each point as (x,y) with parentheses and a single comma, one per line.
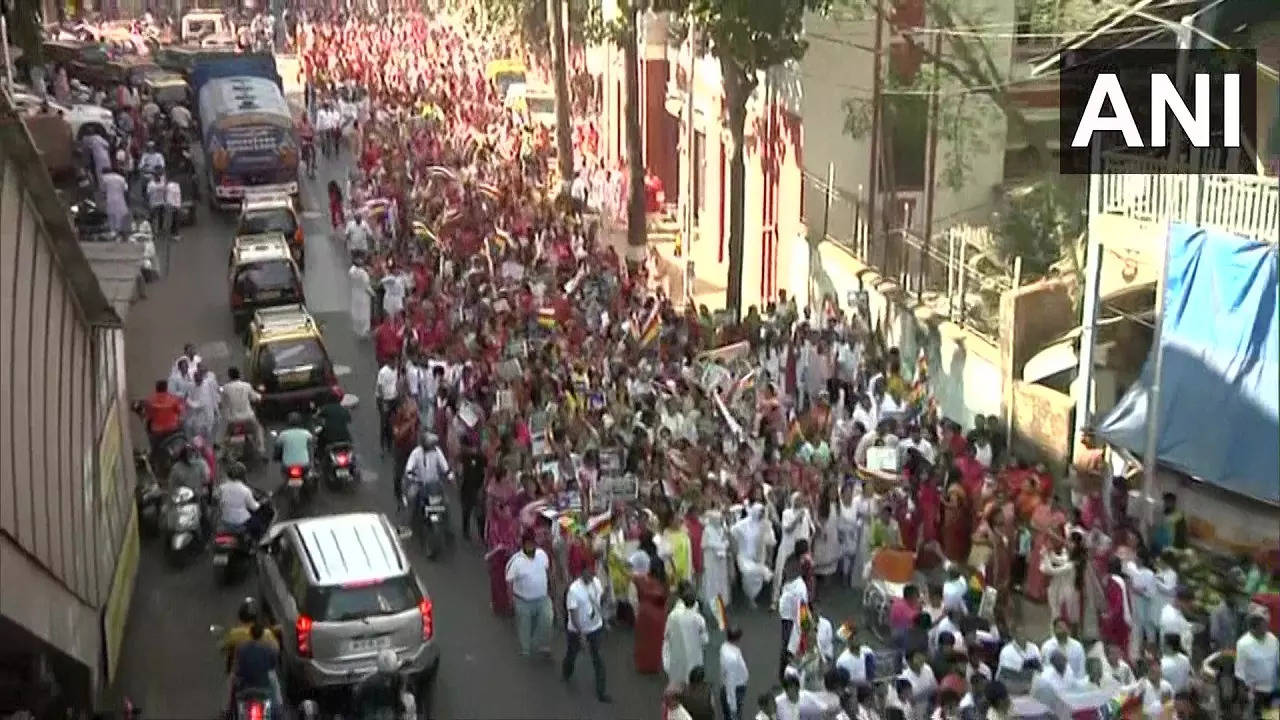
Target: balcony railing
(1135,187)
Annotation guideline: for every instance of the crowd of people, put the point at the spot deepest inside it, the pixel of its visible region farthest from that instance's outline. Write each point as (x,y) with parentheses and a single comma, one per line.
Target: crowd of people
(615,476)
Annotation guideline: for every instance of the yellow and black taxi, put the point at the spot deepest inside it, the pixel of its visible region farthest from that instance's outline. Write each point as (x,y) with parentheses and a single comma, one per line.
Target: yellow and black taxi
(262,274)
(288,364)
(273,213)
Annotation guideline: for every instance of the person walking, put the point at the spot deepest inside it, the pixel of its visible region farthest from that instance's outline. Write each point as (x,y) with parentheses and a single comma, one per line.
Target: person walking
(387,386)
(733,676)
(155,205)
(529,576)
(172,207)
(585,625)
(361,297)
(685,639)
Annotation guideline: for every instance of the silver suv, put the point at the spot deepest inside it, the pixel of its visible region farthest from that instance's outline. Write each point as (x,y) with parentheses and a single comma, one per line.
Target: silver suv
(341,589)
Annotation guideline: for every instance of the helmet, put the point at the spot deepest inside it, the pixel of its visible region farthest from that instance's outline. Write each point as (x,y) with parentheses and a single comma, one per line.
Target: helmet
(387,661)
(295,419)
(248,610)
(236,471)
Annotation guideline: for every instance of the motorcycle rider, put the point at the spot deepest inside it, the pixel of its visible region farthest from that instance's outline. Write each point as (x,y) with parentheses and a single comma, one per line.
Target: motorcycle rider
(255,667)
(152,161)
(383,690)
(237,507)
(293,445)
(425,468)
(239,634)
(335,423)
(238,399)
(191,470)
(162,414)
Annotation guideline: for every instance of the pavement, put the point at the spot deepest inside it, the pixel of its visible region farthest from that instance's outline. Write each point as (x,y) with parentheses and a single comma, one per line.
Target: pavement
(170,666)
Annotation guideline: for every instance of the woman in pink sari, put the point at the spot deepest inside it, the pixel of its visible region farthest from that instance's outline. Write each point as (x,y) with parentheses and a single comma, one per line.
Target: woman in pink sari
(502,537)
(1044,520)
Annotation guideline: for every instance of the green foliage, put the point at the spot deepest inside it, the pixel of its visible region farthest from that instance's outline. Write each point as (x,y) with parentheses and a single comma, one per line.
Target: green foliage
(1039,225)
(754,35)
(528,20)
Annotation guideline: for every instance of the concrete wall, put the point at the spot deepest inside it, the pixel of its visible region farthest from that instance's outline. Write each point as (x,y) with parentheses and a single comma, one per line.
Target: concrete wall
(964,369)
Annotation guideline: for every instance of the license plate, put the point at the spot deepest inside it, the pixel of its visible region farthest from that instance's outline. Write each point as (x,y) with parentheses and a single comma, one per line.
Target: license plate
(342,474)
(433,509)
(269,295)
(296,379)
(220,560)
(369,644)
(295,482)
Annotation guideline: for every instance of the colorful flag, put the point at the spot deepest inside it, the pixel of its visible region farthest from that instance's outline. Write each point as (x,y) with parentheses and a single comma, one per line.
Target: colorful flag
(803,621)
(547,317)
(722,613)
(652,328)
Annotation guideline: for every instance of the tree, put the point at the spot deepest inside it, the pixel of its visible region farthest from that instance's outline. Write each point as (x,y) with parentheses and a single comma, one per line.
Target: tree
(25,29)
(747,37)
(560,74)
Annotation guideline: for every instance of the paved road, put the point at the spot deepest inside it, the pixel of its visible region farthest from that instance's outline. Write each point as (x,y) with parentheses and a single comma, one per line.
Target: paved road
(170,667)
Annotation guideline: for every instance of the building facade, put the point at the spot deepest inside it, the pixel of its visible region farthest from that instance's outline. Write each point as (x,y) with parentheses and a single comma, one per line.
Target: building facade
(68,536)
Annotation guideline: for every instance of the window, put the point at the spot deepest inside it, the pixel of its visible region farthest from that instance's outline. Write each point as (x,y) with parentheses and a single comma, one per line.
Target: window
(264,221)
(699,174)
(269,275)
(360,600)
(287,355)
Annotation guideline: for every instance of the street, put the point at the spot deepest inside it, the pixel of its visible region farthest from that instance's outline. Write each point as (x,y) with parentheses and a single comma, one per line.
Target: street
(170,667)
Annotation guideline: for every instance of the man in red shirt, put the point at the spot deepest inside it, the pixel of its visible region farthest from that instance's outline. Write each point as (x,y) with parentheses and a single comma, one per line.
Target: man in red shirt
(903,612)
(162,414)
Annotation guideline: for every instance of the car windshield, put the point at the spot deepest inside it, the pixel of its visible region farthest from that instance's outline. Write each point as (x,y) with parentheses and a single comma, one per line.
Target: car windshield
(264,221)
(542,106)
(267,275)
(356,601)
(289,355)
(507,79)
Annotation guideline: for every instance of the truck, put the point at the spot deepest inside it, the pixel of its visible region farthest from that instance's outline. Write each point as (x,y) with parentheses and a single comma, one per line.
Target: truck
(247,129)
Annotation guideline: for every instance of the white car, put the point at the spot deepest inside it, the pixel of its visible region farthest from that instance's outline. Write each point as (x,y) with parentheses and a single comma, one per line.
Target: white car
(81,117)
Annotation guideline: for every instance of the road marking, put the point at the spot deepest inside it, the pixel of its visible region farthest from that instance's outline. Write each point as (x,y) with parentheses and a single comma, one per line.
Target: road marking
(341,370)
(216,350)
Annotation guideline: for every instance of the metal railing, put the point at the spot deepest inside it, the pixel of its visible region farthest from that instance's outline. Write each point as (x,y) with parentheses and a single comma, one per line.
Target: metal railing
(953,274)
(1141,188)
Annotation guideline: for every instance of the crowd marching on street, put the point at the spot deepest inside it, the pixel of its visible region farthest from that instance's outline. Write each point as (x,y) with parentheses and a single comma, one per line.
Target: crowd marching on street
(631,463)
(515,346)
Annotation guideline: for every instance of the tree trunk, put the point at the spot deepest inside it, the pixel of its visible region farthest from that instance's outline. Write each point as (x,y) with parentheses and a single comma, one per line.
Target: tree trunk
(637,232)
(560,69)
(738,87)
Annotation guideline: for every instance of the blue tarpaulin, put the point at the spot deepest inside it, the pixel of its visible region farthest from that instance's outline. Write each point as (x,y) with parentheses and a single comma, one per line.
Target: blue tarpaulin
(1220,382)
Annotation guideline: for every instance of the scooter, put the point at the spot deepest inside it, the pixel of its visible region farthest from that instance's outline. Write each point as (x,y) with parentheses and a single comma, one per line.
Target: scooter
(433,518)
(340,469)
(254,704)
(186,519)
(239,444)
(232,549)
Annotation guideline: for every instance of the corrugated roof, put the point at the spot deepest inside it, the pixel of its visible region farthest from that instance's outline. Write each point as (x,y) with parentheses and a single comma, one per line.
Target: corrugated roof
(118,267)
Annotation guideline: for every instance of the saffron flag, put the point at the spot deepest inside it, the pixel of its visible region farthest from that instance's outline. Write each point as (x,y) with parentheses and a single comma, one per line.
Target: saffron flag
(651,329)
(722,613)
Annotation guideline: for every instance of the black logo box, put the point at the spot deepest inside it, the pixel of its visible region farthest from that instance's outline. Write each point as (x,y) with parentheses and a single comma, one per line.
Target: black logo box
(1081,69)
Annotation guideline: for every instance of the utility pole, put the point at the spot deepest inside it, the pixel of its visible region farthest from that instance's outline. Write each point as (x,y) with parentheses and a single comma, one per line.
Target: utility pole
(690,212)
(877,99)
(931,162)
(1089,308)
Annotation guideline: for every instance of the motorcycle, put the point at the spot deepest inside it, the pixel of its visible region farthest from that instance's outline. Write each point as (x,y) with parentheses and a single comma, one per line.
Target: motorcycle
(147,494)
(169,449)
(186,519)
(406,708)
(240,444)
(232,548)
(433,518)
(254,704)
(91,222)
(340,469)
(299,483)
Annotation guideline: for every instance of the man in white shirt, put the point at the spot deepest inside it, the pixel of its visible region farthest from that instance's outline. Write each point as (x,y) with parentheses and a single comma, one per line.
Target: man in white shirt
(857,661)
(1054,680)
(236,503)
(787,703)
(172,207)
(528,573)
(733,676)
(1175,666)
(585,622)
(1173,619)
(238,399)
(1070,647)
(1257,656)
(180,116)
(387,392)
(1155,690)
(155,205)
(918,673)
(954,590)
(685,637)
(791,597)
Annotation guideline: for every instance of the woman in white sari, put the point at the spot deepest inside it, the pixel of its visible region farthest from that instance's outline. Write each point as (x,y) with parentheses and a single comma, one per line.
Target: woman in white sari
(715,562)
(753,539)
(854,515)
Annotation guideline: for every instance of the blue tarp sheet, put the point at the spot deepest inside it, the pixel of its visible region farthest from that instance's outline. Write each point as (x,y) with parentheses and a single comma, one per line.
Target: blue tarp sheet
(1220,382)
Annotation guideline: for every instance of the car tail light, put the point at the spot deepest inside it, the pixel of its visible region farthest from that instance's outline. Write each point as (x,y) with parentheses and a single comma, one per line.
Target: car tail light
(224,540)
(303,629)
(336,389)
(255,710)
(297,236)
(295,471)
(428,612)
(342,459)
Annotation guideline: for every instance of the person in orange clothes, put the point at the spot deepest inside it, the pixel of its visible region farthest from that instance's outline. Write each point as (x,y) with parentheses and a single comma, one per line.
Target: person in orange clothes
(957,525)
(650,579)
(1046,524)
